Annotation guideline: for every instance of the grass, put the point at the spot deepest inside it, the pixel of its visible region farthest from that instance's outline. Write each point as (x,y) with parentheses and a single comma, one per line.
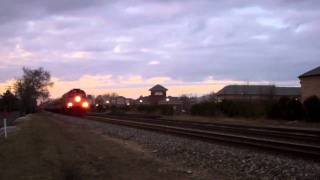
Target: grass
(37,151)
(45,148)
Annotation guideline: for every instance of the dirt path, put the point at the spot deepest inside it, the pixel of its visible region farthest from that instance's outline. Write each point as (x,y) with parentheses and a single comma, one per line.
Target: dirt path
(46,148)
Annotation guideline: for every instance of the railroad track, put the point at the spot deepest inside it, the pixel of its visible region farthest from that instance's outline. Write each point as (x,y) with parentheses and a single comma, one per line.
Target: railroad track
(311,136)
(302,142)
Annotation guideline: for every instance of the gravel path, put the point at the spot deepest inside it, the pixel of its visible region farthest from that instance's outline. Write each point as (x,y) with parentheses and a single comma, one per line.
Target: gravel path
(206,160)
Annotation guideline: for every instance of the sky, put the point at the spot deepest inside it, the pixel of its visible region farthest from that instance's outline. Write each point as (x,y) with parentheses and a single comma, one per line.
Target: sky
(189,46)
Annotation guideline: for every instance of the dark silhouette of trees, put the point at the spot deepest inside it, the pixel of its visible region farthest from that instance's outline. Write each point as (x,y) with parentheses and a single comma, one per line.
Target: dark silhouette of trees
(286,108)
(32,88)
(283,108)
(8,102)
(187,102)
(158,109)
(312,106)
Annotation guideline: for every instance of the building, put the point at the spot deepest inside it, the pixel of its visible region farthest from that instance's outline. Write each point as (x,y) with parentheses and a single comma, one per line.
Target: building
(310,83)
(158,96)
(257,92)
(118,101)
(157,93)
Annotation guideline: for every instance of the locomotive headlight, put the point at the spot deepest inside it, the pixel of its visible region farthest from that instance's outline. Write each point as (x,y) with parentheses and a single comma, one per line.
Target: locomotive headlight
(77,98)
(69,105)
(85,104)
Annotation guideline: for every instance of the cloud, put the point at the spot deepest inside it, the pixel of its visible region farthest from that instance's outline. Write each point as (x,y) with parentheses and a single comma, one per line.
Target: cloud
(135,85)
(154,62)
(272,22)
(184,41)
(7,85)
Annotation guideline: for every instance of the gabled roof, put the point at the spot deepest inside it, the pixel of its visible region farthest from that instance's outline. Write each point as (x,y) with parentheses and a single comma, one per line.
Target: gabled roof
(313,72)
(287,91)
(158,87)
(259,90)
(247,90)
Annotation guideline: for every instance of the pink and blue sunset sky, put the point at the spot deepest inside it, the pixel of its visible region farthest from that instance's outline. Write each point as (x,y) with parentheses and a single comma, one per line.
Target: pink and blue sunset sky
(127,46)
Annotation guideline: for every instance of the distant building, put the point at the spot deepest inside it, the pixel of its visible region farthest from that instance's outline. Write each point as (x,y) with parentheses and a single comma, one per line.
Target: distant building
(118,101)
(158,96)
(158,93)
(310,83)
(143,100)
(257,92)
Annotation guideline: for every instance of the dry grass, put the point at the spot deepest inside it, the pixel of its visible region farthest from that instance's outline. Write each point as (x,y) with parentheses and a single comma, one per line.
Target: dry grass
(51,149)
(30,154)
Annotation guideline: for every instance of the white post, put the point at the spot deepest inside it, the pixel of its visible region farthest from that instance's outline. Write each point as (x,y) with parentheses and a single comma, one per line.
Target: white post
(5,127)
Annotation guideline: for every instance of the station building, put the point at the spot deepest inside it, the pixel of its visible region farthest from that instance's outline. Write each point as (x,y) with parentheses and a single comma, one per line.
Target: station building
(310,83)
(158,96)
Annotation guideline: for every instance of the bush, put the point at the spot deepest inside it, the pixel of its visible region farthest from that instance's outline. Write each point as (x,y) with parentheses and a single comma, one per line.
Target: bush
(242,108)
(162,109)
(229,108)
(117,110)
(294,110)
(312,107)
(204,109)
(285,108)
(167,110)
(8,102)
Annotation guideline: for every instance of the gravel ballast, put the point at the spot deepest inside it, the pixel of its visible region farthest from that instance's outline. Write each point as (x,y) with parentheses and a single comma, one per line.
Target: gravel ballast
(205,160)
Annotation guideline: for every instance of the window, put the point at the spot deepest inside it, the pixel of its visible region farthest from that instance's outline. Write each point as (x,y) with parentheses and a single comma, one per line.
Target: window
(158,93)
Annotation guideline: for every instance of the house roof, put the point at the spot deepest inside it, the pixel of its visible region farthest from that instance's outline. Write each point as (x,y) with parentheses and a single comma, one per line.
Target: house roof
(158,87)
(287,91)
(259,90)
(313,72)
(246,90)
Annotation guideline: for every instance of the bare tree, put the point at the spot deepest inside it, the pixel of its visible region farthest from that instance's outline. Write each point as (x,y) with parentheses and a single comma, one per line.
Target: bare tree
(212,97)
(32,88)
(187,101)
(110,95)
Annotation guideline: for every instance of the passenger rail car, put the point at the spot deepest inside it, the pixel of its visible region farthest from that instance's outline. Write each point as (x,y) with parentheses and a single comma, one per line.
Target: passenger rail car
(73,102)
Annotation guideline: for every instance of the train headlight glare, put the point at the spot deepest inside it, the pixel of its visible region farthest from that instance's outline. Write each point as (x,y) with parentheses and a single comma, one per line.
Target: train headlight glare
(77,98)
(69,105)
(85,104)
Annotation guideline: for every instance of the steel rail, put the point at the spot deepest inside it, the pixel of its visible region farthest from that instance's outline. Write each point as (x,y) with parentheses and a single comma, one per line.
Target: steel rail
(288,134)
(303,149)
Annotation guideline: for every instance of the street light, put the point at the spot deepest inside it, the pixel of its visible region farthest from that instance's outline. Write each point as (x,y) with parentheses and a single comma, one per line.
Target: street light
(167,99)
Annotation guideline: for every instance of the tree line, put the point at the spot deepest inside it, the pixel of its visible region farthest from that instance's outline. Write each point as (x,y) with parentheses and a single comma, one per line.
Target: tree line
(283,108)
(28,91)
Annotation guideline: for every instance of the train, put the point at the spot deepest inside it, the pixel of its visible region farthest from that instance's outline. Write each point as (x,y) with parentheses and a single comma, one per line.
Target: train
(74,102)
